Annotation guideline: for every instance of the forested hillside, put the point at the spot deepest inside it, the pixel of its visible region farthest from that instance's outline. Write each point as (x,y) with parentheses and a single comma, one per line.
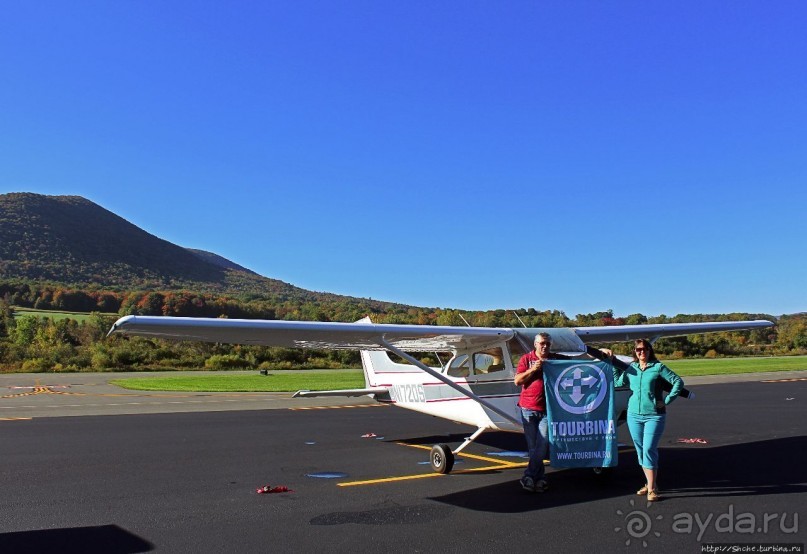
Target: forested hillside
(68,240)
(41,342)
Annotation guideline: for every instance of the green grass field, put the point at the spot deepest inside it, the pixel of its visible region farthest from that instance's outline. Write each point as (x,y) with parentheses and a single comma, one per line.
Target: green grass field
(729,366)
(351,379)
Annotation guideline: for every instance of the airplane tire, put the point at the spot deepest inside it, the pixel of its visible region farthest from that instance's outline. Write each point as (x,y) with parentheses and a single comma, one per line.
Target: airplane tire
(441,458)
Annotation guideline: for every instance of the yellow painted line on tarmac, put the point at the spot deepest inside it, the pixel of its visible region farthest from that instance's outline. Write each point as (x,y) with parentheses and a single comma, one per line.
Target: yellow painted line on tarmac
(16,418)
(472,456)
(784,380)
(505,465)
(336,407)
(389,479)
(496,464)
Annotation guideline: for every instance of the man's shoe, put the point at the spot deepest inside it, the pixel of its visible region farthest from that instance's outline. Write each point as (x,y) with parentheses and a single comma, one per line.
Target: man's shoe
(527,484)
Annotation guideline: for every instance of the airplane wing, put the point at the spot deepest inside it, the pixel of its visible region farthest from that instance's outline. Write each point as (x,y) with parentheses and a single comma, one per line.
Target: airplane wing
(621,333)
(363,335)
(312,334)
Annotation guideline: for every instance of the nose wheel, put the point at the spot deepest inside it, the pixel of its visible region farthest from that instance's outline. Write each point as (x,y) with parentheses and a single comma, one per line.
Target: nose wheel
(441,458)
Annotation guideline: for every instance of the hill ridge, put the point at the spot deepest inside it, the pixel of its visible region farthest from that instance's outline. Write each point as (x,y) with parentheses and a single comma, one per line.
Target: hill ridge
(73,241)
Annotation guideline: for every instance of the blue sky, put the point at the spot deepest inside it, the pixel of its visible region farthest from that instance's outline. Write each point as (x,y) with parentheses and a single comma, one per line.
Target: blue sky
(583,156)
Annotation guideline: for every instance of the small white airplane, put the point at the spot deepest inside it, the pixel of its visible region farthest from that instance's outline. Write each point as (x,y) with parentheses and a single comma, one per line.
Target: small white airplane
(474,386)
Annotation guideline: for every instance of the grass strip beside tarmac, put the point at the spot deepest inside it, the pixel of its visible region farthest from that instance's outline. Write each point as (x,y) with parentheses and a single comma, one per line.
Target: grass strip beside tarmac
(732,366)
(351,379)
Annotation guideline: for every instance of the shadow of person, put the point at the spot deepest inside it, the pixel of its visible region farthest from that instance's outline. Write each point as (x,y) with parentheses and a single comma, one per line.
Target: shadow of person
(774,466)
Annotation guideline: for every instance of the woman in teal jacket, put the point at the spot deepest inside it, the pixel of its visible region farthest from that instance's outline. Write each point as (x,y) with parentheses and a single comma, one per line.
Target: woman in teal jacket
(646,378)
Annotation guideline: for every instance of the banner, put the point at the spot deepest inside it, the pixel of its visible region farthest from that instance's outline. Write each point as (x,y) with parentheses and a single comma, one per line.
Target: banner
(580,408)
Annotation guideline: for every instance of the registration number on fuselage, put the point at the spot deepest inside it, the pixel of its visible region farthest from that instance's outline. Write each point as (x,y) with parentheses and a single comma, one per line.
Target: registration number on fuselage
(407,393)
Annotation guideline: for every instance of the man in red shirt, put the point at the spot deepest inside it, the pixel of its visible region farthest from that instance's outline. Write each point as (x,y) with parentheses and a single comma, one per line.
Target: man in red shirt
(532,402)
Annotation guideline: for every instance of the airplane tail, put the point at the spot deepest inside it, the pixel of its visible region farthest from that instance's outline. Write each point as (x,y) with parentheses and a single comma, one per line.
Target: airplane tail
(371,361)
(378,366)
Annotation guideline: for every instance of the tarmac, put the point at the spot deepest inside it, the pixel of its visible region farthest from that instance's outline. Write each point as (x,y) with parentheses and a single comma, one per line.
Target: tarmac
(161,473)
(78,394)
(75,394)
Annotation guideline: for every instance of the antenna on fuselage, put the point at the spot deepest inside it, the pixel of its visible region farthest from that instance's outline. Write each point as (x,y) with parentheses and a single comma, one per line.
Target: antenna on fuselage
(519,320)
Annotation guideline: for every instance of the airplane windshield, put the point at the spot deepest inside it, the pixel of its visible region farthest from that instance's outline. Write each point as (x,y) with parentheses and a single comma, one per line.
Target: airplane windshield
(517,349)
(460,366)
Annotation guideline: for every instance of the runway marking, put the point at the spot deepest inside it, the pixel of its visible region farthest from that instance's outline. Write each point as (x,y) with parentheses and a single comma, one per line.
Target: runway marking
(337,407)
(140,403)
(15,418)
(497,464)
(48,389)
(496,461)
(390,479)
(785,380)
(36,390)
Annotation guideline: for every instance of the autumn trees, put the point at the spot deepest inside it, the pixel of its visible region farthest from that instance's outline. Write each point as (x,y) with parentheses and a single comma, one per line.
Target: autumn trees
(79,343)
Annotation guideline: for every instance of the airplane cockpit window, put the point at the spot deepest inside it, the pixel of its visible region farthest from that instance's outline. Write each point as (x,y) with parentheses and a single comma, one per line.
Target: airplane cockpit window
(460,366)
(489,361)
(478,363)
(517,349)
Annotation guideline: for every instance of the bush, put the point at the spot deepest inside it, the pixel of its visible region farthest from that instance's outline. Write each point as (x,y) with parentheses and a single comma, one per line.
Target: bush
(101,360)
(226,361)
(36,365)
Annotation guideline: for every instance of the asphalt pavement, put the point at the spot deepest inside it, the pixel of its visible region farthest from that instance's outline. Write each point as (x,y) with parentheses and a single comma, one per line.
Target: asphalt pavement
(732,469)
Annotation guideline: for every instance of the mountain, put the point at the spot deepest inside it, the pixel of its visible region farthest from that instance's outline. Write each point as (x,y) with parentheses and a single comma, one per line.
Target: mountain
(73,241)
(217,260)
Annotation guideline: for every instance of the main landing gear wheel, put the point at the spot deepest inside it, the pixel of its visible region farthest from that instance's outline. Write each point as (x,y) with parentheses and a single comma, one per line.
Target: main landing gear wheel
(441,458)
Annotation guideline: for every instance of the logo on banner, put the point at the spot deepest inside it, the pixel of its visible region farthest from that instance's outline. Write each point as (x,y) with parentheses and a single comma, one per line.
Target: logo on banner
(581,389)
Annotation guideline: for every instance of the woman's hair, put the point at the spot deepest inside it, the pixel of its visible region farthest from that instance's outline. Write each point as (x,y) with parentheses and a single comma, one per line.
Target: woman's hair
(651,354)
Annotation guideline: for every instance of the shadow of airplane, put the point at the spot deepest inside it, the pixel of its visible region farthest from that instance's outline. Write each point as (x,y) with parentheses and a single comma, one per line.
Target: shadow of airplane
(103,539)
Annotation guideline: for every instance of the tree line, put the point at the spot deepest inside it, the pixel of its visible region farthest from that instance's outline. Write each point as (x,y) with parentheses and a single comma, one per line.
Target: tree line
(32,343)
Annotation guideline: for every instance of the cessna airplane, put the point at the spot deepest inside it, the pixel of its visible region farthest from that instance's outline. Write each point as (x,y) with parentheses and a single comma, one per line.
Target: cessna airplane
(474,386)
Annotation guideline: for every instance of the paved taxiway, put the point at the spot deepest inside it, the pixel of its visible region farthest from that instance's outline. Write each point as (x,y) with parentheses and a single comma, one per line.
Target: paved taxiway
(68,394)
(184,481)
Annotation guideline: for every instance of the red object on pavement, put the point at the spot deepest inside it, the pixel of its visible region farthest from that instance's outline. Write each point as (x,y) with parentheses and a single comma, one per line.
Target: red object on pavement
(693,441)
(268,489)
(369,435)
